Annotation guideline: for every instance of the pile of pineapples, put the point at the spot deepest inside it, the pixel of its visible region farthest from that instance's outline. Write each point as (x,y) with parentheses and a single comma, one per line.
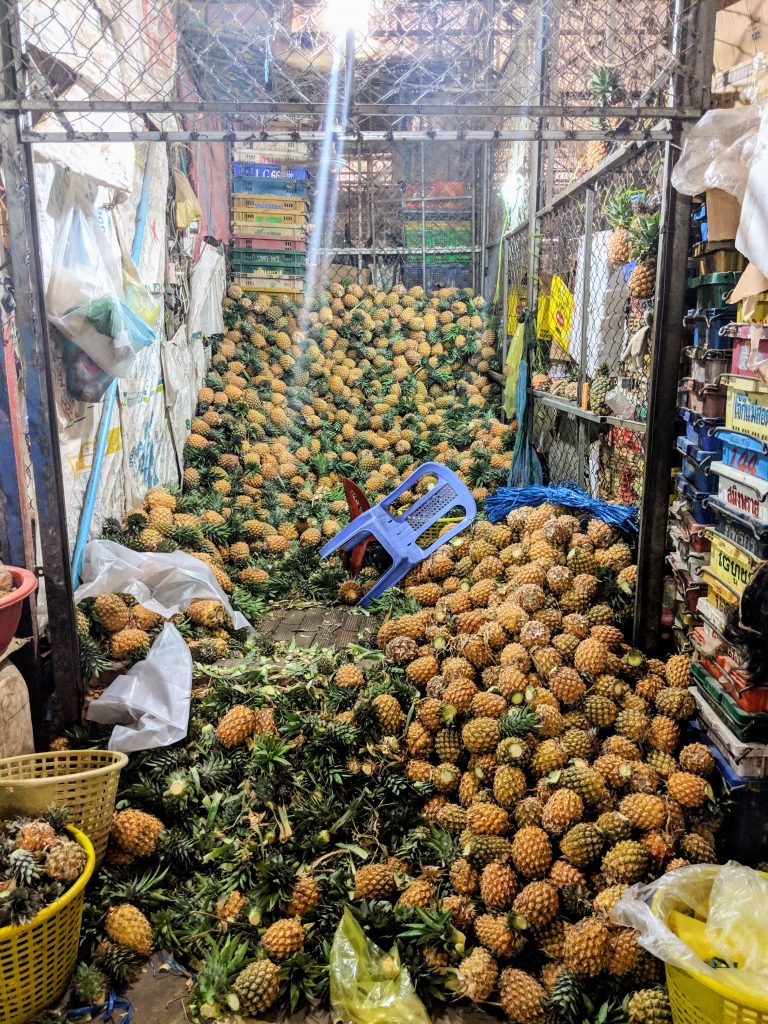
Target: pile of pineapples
(115,631)
(366,385)
(39,861)
(481,789)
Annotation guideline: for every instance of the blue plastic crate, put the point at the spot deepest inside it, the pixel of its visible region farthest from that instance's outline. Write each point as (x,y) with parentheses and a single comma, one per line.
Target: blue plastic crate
(747,454)
(696,466)
(273,171)
(706,324)
(268,186)
(702,431)
(697,501)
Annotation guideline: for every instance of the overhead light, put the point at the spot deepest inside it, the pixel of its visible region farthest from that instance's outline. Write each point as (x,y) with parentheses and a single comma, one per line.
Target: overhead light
(347,15)
(513,189)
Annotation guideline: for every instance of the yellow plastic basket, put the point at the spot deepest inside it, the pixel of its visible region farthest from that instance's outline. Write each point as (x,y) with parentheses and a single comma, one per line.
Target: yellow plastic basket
(37,959)
(437,529)
(83,781)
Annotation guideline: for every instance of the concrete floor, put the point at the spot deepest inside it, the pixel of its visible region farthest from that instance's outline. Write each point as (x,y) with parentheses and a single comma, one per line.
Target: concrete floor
(326,626)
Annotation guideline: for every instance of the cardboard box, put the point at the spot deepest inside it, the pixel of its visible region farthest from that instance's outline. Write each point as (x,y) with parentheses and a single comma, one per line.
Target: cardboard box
(723,215)
(741,32)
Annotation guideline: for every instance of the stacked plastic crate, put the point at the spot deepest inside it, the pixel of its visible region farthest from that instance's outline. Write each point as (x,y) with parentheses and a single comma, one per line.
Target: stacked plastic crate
(270,215)
(437,231)
(719,524)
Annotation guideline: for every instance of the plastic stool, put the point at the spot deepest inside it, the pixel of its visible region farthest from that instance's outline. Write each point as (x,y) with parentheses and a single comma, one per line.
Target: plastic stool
(398,535)
(357,504)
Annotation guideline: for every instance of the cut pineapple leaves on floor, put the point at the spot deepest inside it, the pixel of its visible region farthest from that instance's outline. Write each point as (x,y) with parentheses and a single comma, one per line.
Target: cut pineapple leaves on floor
(480,783)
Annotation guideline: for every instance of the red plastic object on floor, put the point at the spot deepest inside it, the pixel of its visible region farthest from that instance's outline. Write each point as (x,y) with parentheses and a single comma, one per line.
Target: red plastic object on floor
(10,605)
(357,503)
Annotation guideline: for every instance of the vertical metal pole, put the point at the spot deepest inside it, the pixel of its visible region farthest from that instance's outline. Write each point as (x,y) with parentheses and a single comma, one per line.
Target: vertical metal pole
(13,547)
(359,212)
(484,217)
(473,236)
(534,190)
(696,30)
(589,211)
(423,220)
(18,175)
(372,216)
(504,301)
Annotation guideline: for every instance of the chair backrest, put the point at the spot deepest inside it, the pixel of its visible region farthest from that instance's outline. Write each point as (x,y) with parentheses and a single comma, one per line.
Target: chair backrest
(448,493)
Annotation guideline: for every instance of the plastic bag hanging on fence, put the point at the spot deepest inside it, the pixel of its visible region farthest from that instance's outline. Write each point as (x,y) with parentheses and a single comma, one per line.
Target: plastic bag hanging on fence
(187,205)
(369,986)
(85,296)
(142,304)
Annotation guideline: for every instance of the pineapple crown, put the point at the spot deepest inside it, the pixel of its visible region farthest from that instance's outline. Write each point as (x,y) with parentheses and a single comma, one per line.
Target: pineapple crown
(620,208)
(644,236)
(604,85)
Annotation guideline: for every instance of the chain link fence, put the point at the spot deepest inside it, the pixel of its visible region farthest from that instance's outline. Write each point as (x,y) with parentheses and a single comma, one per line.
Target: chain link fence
(591,370)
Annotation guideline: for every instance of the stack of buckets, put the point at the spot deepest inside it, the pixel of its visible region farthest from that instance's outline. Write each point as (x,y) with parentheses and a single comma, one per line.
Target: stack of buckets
(269,218)
(719,530)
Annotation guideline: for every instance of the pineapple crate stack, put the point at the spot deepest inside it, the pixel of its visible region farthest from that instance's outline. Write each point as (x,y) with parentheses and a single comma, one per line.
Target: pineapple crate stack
(718,533)
(269,218)
(437,232)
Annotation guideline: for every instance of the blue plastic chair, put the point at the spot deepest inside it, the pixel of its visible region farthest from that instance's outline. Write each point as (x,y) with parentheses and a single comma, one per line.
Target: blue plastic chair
(399,535)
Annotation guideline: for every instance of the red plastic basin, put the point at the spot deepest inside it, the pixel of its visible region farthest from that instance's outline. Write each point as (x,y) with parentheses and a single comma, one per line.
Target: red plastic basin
(10,604)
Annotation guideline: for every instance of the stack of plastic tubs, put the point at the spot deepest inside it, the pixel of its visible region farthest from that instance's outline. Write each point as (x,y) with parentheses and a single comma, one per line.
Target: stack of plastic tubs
(270,216)
(447,226)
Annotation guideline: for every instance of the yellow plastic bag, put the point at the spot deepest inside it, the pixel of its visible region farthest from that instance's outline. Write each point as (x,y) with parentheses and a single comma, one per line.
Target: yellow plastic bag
(369,986)
(187,205)
(514,355)
(737,923)
(560,312)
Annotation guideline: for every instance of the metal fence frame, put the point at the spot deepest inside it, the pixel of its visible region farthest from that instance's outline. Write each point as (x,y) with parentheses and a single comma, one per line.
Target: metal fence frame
(536,118)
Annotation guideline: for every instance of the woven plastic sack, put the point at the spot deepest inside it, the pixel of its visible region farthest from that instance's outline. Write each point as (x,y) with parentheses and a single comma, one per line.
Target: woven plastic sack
(369,986)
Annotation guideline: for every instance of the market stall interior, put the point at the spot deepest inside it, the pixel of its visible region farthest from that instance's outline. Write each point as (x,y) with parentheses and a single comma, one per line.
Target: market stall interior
(383,490)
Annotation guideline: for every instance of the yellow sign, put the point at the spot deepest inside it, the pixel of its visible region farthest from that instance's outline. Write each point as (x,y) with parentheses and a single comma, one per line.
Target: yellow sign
(542,318)
(560,312)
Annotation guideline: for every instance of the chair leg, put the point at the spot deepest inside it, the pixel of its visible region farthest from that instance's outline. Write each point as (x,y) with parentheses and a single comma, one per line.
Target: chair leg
(392,576)
(348,536)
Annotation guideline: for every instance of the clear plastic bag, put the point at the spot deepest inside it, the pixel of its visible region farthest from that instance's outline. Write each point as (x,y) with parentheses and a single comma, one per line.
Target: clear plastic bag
(84,298)
(737,924)
(671,916)
(369,986)
(718,151)
(150,703)
(164,583)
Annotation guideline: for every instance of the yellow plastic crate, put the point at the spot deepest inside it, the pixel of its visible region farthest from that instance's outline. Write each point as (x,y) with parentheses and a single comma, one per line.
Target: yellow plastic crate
(37,959)
(269,204)
(746,409)
(265,218)
(269,230)
(723,598)
(731,564)
(273,285)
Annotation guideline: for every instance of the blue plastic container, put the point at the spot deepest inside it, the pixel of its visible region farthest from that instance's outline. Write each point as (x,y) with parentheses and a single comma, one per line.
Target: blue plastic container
(696,501)
(268,186)
(699,222)
(746,531)
(744,836)
(696,466)
(706,324)
(747,454)
(701,431)
(439,275)
(269,171)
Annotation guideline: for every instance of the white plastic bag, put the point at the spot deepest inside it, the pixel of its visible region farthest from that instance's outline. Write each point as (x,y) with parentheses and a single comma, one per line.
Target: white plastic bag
(150,703)
(718,151)
(164,583)
(85,297)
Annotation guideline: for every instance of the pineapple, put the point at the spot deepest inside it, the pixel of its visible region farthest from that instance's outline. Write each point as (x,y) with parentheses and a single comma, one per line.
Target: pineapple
(493,932)
(643,247)
(257,986)
(649,1006)
(65,862)
(498,886)
(587,947)
(283,938)
(237,726)
(604,86)
(476,975)
(111,611)
(374,882)
(536,906)
(619,212)
(127,926)
(532,852)
(522,997)
(136,832)
(598,390)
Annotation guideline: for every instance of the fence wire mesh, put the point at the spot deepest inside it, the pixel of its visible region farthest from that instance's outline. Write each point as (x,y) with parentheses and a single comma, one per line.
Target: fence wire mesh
(592,369)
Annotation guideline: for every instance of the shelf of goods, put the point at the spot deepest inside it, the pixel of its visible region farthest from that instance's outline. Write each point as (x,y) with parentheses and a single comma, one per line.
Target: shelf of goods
(270,214)
(442,221)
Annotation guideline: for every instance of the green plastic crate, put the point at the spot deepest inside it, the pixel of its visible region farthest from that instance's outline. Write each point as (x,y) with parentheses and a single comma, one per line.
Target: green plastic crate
(448,239)
(245,260)
(749,727)
(439,257)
